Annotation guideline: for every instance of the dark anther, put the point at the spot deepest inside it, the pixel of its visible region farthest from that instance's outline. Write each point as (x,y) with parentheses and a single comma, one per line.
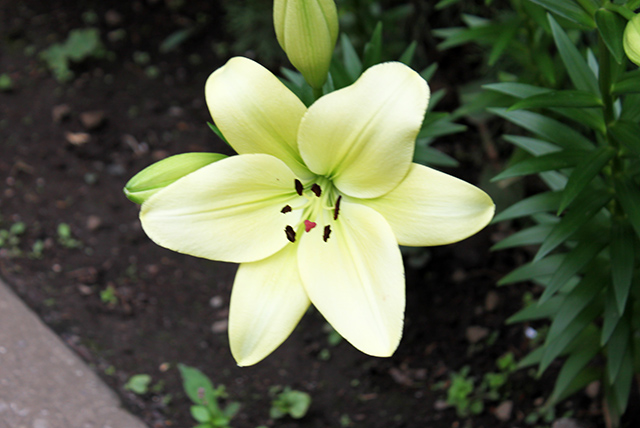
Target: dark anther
(316,190)
(336,210)
(327,232)
(286,209)
(291,235)
(299,187)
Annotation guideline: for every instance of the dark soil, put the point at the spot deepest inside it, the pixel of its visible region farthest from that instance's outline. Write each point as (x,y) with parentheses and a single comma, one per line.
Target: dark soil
(128,306)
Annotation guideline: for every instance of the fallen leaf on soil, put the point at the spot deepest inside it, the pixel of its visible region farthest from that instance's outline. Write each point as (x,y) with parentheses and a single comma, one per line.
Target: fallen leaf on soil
(77,138)
(92,119)
(476,333)
(503,411)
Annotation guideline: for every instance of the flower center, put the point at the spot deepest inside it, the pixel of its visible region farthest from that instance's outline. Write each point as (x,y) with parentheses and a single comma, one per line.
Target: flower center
(322,204)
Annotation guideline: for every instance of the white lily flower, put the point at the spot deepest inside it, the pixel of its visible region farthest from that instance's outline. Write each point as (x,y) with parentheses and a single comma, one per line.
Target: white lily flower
(314,205)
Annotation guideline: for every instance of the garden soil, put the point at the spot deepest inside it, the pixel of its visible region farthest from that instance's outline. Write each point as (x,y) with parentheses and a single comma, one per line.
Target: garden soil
(76,254)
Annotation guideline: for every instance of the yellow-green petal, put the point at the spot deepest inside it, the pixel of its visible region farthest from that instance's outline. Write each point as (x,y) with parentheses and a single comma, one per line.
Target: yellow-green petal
(255,112)
(363,136)
(160,174)
(307,31)
(267,302)
(433,208)
(229,210)
(356,278)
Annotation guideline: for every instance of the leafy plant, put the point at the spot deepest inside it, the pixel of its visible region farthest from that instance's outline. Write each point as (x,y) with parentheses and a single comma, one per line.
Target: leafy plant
(289,402)
(81,44)
(138,384)
(65,237)
(468,399)
(206,409)
(10,238)
(584,145)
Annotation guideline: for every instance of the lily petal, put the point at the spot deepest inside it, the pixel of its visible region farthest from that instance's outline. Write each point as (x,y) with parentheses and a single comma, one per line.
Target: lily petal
(356,278)
(229,210)
(255,111)
(267,303)
(362,136)
(433,208)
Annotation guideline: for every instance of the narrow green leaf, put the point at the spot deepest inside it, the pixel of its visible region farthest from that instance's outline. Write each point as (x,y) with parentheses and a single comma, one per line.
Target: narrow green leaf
(579,257)
(430,156)
(548,201)
(611,316)
(579,72)
(622,261)
(407,56)
(439,128)
(373,49)
(518,90)
(445,3)
(622,386)
(533,357)
(532,145)
(631,108)
(556,132)
(537,312)
(531,270)
(481,34)
(617,347)
(428,72)
(582,211)
(561,342)
(628,194)
(629,82)
(582,295)
(352,63)
(572,368)
(587,375)
(531,236)
(504,39)
(627,133)
(586,170)
(551,161)
(567,98)
(569,10)
(611,28)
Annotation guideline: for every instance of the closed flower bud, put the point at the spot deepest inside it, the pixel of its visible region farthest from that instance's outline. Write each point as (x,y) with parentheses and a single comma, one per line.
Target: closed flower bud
(307,30)
(159,175)
(632,40)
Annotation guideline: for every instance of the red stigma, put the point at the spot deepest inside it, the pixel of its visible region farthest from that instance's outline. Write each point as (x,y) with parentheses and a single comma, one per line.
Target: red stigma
(308,225)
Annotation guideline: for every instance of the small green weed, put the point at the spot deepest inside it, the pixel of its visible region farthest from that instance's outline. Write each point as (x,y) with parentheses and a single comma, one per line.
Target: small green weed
(65,237)
(469,399)
(81,44)
(108,296)
(288,401)
(6,83)
(207,410)
(10,238)
(138,384)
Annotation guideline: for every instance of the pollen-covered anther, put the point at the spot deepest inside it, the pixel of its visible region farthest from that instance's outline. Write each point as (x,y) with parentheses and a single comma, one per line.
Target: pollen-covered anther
(327,232)
(308,225)
(299,187)
(291,234)
(336,210)
(286,209)
(316,190)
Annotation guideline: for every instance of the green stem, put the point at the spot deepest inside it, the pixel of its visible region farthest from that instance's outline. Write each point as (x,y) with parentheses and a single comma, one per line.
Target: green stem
(317,93)
(620,10)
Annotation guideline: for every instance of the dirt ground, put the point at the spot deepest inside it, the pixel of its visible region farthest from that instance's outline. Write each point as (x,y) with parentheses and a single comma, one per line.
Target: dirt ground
(130,307)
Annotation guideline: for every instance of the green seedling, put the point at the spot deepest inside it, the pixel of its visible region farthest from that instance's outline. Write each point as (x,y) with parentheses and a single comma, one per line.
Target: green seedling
(469,399)
(6,83)
(108,296)
(81,44)
(10,238)
(206,409)
(65,237)
(289,402)
(138,384)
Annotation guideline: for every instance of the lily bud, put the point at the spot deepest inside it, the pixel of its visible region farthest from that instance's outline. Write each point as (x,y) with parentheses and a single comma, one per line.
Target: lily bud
(632,40)
(163,173)
(307,30)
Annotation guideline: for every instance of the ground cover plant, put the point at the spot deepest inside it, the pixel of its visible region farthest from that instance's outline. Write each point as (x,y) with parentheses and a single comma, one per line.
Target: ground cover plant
(142,315)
